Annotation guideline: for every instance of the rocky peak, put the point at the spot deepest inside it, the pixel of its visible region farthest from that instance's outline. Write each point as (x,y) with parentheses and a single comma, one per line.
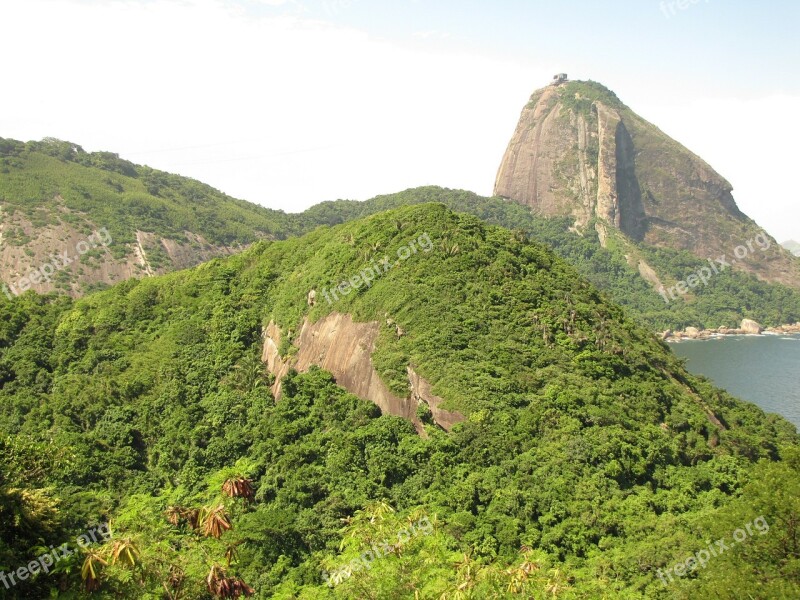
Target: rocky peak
(578,151)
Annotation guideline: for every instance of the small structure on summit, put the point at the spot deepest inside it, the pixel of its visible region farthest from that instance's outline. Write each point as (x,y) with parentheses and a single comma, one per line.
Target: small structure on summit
(559,78)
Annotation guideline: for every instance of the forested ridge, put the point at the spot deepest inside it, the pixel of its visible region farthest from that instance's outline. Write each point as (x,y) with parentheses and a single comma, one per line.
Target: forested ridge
(115,193)
(726,298)
(53,182)
(589,459)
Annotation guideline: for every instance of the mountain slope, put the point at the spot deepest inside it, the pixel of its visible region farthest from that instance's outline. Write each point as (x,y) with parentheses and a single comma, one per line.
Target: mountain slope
(583,440)
(726,299)
(110,219)
(579,152)
(72,222)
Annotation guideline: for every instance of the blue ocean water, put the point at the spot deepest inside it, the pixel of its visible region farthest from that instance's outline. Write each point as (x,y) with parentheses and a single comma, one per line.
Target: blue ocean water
(764,369)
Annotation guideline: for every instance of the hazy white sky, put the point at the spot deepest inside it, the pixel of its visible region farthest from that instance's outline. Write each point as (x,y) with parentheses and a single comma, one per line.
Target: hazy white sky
(291,102)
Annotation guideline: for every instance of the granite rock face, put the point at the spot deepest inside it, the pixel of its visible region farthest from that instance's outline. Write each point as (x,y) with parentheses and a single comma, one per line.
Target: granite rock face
(751,327)
(344,347)
(58,249)
(578,151)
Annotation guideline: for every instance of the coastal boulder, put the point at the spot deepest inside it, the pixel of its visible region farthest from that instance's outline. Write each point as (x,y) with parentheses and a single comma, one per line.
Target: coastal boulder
(751,327)
(692,332)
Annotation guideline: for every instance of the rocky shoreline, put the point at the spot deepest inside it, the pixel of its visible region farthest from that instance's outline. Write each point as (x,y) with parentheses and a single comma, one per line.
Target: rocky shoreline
(747,327)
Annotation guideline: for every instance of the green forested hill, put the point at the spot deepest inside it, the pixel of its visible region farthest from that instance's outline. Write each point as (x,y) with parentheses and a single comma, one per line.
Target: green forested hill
(588,459)
(122,196)
(53,195)
(729,296)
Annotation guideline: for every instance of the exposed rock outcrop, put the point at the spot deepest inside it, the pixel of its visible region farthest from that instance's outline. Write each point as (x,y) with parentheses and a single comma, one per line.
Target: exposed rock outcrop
(751,327)
(748,327)
(578,151)
(109,262)
(422,393)
(781,329)
(344,347)
(649,274)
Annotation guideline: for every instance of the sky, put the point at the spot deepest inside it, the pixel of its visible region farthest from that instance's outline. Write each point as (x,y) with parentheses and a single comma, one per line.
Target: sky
(288,103)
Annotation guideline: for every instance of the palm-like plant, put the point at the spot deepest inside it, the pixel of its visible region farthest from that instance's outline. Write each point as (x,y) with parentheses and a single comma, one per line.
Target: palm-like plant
(250,373)
(174,583)
(215,521)
(239,487)
(467,572)
(556,583)
(192,516)
(231,555)
(378,510)
(125,552)
(450,248)
(91,569)
(180,514)
(519,577)
(174,515)
(215,582)
(240,588)
(220,585)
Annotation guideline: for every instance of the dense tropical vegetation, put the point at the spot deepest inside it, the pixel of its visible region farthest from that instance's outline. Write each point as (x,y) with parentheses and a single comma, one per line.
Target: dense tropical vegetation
(729,296)
(589,458)
(53,181)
